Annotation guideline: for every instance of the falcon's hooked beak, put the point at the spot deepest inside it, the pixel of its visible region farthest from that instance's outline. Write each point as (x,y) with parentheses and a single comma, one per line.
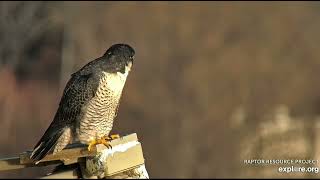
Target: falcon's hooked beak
(129,65)
(131,58)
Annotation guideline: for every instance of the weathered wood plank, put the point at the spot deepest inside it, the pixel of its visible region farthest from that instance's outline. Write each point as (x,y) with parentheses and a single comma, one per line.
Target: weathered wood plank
(125,159)
(67,156)
(74,154)
(14,163)
(10,164)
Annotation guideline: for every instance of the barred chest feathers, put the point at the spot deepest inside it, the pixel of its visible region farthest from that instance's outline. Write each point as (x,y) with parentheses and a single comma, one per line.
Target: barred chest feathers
(100,112)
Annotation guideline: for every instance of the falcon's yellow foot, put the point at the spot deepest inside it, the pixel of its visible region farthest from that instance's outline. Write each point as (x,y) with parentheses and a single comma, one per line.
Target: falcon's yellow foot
(104,140)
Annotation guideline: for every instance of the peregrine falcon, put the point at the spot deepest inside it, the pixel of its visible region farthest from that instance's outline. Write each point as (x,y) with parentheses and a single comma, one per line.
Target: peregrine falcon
(89,103)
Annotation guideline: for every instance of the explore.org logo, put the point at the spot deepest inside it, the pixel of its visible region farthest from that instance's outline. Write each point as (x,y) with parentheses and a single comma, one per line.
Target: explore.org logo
(287,165)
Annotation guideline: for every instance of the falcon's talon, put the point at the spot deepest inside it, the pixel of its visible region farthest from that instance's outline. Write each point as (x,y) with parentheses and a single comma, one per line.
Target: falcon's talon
(111,137)
(106,142)
(114,136)
(109,146)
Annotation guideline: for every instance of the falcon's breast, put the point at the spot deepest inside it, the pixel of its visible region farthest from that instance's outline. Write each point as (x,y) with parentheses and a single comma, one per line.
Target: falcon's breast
(100,111)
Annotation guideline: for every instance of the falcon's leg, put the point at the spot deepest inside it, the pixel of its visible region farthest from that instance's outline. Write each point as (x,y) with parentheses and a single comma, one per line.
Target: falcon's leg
(104,140)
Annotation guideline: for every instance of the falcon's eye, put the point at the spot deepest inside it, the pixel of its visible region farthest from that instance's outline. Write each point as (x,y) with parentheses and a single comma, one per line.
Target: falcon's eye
(131,57)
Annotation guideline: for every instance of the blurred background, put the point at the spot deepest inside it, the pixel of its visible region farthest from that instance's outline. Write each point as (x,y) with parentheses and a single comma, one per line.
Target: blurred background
(213,84)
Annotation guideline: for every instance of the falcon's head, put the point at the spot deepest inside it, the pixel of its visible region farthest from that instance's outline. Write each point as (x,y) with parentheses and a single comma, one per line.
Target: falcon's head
(120,57)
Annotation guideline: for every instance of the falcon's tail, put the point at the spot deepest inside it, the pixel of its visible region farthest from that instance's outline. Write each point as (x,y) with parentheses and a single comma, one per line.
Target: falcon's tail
(46,143)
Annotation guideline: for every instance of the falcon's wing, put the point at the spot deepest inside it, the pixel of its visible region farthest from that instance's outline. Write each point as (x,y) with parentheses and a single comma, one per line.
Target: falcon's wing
(79,90)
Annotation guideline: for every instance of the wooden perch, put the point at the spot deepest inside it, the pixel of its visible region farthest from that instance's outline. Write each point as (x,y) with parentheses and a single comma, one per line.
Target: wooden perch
(123,160)
(67,156)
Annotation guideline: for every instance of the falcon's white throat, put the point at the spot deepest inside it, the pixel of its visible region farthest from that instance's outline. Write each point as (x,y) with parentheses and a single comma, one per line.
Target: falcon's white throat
(116,81)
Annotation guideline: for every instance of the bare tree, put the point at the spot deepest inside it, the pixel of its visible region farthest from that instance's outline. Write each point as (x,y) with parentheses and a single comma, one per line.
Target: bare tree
(20,24)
